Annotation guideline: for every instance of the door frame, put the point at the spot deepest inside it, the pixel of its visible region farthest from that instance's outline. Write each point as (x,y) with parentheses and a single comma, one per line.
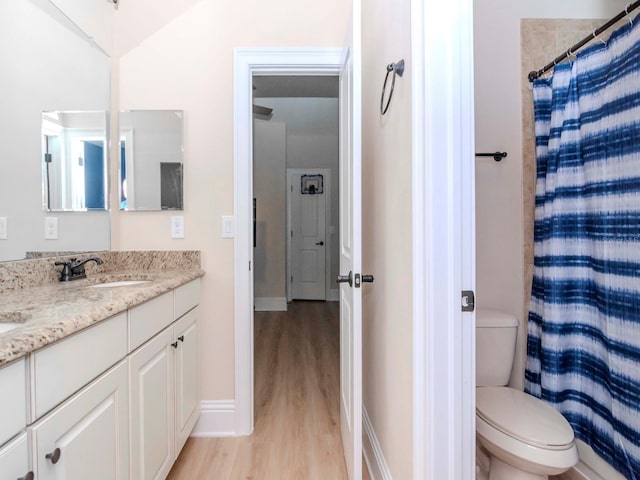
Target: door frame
(247,63)
(443,239)
(327,226)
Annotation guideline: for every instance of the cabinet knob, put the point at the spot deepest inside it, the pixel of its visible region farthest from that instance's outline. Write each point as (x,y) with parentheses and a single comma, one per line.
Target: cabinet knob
(54,456)
(174,344)
(181,338)
(28,476)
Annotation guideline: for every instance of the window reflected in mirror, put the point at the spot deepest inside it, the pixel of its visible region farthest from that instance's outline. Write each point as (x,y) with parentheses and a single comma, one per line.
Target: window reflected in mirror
(74,161)
(151,160)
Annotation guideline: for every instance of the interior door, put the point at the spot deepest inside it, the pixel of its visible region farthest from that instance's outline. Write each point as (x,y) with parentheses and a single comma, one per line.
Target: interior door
(307,224)
(350,251)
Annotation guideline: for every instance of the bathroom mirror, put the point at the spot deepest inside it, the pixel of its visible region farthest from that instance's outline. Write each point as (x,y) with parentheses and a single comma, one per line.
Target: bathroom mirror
(151,160)
(74,166)
(49,65)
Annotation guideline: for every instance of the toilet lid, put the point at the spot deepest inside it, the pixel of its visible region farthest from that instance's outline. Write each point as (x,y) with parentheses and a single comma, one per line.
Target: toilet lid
(523,417)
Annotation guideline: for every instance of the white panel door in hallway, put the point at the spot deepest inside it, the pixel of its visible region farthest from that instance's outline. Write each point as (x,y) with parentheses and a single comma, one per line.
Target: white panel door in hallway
(307,193)
(350,248)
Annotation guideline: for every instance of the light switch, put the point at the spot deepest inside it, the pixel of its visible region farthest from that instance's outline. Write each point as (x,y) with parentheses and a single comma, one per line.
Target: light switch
(3,228)
(227,226)
(177,226)
(51,228)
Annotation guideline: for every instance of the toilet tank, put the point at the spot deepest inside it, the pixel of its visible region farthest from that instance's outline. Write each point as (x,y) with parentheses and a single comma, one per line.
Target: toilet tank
(496,334)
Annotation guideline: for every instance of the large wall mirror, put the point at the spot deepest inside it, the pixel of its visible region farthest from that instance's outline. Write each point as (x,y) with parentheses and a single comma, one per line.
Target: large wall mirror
(49,65)
(151,159)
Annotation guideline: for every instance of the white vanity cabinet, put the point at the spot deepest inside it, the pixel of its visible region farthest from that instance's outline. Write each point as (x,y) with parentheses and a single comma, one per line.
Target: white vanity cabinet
(115,401)
(14,448)
(87,436)
(164,387)
(14,459)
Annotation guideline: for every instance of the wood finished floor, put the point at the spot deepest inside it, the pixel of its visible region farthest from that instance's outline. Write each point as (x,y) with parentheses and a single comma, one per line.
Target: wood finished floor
(297,417)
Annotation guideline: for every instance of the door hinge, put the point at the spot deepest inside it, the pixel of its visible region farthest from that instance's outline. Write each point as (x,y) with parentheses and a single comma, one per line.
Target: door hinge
(249,265)
(468,301)
(291,278)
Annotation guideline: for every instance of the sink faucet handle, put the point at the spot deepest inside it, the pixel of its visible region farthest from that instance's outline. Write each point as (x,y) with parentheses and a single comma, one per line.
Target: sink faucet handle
(65,273)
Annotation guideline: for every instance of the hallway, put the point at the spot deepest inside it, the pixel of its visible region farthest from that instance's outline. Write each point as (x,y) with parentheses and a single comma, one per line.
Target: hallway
(297,419)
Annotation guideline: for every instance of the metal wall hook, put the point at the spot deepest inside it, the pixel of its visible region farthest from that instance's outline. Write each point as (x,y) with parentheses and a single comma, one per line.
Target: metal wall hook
(397,69)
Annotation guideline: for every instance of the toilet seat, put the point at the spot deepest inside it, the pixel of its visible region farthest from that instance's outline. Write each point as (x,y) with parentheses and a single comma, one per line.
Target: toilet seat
(524,418)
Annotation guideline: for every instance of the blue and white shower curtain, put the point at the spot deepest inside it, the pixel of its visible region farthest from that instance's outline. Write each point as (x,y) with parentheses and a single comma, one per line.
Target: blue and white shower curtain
(583,352)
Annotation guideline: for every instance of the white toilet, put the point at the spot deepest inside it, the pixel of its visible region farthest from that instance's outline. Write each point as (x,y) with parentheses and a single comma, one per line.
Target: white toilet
(526,438)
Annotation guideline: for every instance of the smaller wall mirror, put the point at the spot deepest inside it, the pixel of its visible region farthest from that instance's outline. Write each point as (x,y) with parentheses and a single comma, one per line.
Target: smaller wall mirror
(151,160)
(74,161)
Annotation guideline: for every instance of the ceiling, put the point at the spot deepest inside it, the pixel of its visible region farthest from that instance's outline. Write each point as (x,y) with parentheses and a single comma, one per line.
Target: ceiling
(296,86)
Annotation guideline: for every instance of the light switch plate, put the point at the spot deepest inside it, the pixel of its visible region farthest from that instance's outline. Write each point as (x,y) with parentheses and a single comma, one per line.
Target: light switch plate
(177,226)
(51,228)
(228,229)
(3,228)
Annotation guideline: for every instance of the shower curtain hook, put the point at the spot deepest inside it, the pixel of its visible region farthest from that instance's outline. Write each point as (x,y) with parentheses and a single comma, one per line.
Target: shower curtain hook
(596,36)
(626,11)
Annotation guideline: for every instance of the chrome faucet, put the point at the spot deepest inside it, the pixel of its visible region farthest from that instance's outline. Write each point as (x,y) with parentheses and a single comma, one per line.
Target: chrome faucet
(74,268)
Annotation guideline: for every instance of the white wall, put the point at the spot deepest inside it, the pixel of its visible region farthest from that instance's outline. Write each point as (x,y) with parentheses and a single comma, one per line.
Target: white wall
(186,62)
(387,238)
(269,189)
(499,127)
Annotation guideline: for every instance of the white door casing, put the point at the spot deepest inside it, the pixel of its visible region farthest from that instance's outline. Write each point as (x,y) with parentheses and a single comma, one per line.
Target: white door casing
(247,63)
(350,249)
(306,239)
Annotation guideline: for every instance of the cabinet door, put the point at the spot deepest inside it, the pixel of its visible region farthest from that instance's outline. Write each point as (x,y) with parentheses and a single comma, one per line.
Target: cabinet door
(152,408)
(87,436)
(187,397)
(14,459)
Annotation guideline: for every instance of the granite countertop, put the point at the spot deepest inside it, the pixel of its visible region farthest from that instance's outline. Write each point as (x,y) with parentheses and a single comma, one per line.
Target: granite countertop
(48,313)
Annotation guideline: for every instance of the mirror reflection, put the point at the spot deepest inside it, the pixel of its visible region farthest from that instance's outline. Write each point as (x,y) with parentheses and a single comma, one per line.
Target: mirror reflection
(74,167)
(151,160)
(60,71)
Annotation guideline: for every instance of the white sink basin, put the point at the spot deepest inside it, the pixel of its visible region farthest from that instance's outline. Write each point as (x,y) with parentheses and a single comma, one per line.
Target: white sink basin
(121,283)
(5,327)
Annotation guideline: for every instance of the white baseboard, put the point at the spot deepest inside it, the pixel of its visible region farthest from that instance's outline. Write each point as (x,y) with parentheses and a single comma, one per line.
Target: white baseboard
(270,304)
(373,456)
(334,295)
(217,419)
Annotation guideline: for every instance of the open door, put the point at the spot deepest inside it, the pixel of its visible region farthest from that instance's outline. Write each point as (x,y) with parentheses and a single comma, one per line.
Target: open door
(350,251)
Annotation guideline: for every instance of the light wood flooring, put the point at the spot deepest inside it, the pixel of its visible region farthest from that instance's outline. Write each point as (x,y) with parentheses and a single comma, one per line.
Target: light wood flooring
(297,417)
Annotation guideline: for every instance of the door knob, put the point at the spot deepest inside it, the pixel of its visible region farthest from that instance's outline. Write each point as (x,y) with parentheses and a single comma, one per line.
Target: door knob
(320,243)
(28,476)
(345,279)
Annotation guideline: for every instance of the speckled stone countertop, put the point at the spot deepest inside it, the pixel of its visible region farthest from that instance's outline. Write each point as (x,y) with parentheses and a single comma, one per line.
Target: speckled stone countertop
(51,311)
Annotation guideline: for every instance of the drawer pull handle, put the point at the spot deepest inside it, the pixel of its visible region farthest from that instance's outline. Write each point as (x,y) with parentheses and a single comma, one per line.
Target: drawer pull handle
(28,476)
(181,338)
(174,344)
(54,456)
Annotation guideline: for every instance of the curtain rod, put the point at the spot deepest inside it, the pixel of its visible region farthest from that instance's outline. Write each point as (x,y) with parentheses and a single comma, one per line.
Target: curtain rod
(537,73)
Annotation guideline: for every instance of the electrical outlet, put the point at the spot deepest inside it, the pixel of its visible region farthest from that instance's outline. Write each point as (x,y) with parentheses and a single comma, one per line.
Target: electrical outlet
(177,226)
(51,228)
(3,228)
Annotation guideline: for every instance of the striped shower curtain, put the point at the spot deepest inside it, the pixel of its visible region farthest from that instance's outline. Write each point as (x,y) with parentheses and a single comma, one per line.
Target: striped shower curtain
(583,352)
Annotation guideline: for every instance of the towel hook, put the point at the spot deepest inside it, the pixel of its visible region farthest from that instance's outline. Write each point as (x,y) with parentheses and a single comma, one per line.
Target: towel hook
(397,69)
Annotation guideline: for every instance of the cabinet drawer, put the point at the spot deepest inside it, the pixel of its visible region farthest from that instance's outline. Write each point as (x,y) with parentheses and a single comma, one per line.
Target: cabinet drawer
(66,366)
(187,297)
(148,319)
(13,400)
(14,458)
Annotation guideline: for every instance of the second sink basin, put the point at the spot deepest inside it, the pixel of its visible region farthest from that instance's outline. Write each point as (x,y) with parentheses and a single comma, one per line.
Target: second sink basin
(120,283)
